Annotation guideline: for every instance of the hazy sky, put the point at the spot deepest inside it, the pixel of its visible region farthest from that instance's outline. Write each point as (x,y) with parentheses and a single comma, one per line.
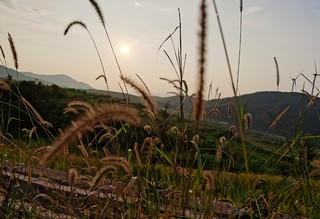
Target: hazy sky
(286,29)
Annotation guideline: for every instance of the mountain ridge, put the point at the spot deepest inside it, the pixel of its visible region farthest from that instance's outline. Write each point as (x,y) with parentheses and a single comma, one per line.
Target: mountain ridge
(61,80)
(263,106)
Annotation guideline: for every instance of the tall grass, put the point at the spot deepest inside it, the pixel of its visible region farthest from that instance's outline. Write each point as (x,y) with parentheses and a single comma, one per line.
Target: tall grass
(73,23)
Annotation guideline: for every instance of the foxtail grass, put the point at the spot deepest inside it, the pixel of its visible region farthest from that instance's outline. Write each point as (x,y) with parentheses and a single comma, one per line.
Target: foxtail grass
(279,117)
(36,114)
(223,141)
(142,81)
(102,113)
(80,23)
(214,111)
(150,104)
(219,153)
(100,174)
(105,136)
(312,99)
(16,64)
(45,197)
(247,118)
(98,10)
(73,175)
(14,51)
(118,162)
(233,129)
(81,105)
(71,110)
(198,108)
(137,153)
(148,129)
(277,72)
(196,138)
(4,85)
(229,110)
(2,52)
(83,150)
(209,180)
(43,150)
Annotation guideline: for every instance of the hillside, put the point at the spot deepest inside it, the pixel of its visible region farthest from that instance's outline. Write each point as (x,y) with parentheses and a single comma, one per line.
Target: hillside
(266,106)
(58,79)
(263,106)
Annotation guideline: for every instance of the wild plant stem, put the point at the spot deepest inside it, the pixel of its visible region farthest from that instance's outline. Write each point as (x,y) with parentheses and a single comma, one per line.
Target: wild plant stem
(180,68)
(240,45)
(233,88)
(181,98)
(116,59)
(102,66)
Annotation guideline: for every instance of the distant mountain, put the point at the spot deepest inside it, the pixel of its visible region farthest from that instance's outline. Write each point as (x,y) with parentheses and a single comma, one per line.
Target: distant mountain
(264,108)
(59,79)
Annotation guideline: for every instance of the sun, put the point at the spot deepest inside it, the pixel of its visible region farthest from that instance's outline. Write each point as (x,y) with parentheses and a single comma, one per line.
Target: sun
(124,49)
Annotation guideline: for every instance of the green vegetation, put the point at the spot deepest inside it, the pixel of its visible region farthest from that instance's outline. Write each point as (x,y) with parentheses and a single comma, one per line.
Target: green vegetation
(118,159)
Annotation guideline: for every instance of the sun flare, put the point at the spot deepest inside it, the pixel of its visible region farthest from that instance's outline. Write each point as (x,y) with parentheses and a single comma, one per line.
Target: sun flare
(124,49)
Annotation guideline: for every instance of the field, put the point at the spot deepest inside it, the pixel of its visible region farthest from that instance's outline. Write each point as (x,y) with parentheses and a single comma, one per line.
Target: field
(68,153)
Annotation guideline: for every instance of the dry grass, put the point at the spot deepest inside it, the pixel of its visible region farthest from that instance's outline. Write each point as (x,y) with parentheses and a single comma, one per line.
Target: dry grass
(35,113)
(209,180)
(2,52)
(279,117)
(4,85)
(14,52)
(118,162)
(199,103)
(150,104)
(277,72)
(78,22)
(101,114)
(247,118)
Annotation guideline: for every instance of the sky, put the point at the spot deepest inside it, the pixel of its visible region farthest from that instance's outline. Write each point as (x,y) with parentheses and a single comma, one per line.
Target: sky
(285,29)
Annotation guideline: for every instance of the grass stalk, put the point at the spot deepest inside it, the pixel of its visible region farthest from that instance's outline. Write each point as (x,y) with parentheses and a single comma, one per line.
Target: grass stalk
(199,103)
(277,72)
(240,44)
(94,43)
(100,14)
(238,110)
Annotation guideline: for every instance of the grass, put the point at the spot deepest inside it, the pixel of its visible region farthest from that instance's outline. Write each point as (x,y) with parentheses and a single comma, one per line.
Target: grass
(136,161)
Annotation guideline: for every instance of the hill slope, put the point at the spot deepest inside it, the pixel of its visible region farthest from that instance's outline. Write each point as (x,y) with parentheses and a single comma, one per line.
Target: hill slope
(59,79)
(263,106)
(266,106)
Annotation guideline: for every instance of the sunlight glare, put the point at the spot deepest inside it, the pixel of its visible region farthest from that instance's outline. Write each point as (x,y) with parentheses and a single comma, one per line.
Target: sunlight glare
(124,49)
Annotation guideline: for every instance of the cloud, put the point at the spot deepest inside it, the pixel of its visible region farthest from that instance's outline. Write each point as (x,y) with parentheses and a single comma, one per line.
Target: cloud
(167,10)
(16,7)
(8,3)
(137,4)
(253,9)
(23,16)
(34,11)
